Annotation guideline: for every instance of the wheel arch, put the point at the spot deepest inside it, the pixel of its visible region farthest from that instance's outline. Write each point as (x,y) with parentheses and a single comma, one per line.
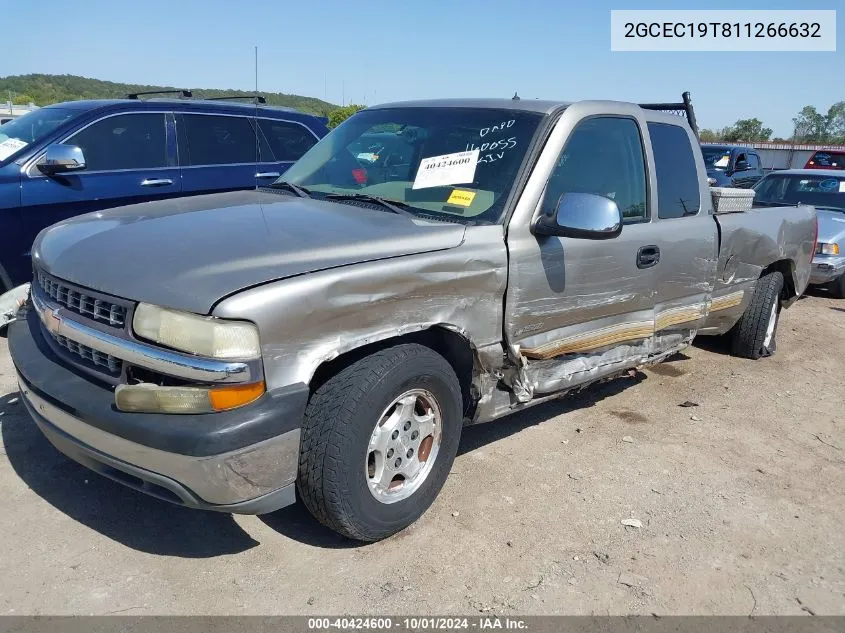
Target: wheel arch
(444,339)
(787,268)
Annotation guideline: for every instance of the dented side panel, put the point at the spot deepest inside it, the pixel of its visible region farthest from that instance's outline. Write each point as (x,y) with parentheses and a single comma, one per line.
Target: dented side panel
(307,320)
(751,242)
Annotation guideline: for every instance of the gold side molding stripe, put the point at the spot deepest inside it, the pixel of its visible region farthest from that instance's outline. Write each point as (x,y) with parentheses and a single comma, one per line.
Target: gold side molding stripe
(591,340)
(677,316)
(728,301)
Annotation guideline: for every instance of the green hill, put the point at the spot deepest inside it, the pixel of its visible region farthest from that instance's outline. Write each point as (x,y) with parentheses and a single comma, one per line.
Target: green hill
(47,89)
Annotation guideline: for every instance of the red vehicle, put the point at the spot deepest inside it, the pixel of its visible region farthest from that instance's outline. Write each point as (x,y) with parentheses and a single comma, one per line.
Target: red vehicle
(825,159)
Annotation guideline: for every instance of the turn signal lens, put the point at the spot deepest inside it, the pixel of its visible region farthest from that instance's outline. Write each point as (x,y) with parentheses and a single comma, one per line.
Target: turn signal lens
(225,398)
(149,398)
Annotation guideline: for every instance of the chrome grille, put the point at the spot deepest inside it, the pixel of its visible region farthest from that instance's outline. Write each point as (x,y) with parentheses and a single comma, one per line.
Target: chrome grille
(98,359)
(78,301)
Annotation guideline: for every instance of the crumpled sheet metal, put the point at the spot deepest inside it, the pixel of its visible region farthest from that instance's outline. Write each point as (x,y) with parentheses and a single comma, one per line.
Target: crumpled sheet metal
(547,376)
(307,320)
(10,302)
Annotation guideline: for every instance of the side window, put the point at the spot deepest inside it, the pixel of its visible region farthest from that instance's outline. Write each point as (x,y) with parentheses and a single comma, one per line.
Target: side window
(125,141)
(289,141)
(753,162)
(604,156)
(678,192)
(216,140)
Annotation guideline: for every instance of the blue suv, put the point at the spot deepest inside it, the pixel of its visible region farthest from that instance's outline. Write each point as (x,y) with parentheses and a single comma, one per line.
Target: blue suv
(82,156)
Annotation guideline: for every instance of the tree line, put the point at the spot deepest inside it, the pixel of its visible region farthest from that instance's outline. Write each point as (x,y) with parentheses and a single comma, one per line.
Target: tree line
(810,126)
(43,90)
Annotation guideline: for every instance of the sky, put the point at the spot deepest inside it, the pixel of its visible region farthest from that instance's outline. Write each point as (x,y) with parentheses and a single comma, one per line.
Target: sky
(374,51)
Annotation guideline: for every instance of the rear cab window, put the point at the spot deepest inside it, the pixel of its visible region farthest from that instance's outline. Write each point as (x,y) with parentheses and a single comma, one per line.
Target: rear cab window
(678,192)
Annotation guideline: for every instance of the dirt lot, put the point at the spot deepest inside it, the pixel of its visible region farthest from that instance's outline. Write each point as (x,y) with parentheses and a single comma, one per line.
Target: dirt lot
(741,499)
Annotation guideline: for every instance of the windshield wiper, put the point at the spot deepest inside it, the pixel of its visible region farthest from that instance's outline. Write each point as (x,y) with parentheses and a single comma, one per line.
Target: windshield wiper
(839,209)
(391,205)
(302,192)
(768,203)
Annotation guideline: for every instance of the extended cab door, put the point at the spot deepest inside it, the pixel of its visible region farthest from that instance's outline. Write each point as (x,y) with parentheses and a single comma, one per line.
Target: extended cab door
(578,309)
(130,157)
(684,231)
(221,152)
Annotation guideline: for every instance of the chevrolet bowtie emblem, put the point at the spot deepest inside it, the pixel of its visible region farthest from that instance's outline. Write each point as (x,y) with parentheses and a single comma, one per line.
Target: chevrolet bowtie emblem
(51,319)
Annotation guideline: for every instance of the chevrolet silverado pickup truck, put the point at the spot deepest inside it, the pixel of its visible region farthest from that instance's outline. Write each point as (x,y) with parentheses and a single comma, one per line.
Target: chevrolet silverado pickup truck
(331,334)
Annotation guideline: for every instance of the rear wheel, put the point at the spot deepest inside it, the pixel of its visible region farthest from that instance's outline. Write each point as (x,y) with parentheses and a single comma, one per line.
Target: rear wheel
(378,441)
(754,336)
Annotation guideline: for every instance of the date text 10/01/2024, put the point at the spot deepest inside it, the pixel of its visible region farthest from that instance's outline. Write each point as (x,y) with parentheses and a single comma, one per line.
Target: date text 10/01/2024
(416,624)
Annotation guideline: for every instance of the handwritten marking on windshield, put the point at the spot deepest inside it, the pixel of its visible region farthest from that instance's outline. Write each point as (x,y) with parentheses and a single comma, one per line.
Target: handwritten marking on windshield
(496,128)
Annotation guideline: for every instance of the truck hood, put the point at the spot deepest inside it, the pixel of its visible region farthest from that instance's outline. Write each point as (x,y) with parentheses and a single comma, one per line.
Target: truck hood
(831,227)
(188,253)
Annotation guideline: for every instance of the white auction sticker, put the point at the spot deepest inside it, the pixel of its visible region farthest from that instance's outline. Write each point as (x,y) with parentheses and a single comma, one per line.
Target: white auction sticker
(10,146)
(842,186)
(447,169)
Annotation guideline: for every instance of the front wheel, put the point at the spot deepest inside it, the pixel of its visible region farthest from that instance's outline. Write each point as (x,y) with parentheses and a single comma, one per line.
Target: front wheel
(754,336)
(378,441)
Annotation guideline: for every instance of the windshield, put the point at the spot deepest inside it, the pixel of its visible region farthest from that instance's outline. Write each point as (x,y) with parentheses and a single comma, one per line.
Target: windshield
(451,163)
(828,160)
(716,157)
(30,128)
(787,189)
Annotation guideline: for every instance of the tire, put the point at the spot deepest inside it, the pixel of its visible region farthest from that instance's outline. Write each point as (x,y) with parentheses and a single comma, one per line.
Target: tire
(341,419)
(837,287)
(760,319)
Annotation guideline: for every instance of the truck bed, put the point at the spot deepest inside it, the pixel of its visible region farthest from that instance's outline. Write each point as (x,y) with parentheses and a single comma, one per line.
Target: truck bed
(751,241)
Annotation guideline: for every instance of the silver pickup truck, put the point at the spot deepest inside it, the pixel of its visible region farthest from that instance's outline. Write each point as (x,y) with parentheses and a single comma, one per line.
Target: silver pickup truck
(425,266)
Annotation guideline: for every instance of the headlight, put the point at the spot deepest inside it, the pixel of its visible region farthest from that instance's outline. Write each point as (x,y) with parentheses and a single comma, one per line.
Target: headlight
(823,248)
(203,336)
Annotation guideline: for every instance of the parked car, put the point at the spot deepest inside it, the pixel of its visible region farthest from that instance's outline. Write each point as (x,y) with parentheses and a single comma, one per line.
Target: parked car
(729,166)
(825,190)
(334,334)
(81,156)
(824,159)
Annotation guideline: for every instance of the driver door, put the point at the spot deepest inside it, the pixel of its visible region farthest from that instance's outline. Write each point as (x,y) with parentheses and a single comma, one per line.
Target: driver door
(578,309)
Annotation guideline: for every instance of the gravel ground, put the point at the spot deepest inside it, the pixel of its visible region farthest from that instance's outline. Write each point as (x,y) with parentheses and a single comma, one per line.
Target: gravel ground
(740,502)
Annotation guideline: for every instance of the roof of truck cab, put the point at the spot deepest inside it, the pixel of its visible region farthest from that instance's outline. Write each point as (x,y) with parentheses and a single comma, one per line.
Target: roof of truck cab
(521,105)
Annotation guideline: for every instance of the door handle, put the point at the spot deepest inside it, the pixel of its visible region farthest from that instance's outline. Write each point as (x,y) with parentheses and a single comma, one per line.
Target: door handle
(267,174)
(156,182)
(648,256)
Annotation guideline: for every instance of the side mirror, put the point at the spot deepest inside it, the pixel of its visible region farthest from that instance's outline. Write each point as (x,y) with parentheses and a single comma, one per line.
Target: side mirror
(62,158)
(581,215)
(741,165)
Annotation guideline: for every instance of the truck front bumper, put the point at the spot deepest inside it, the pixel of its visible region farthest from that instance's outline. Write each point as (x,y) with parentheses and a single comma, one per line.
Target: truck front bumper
(826,268)
(241,461)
